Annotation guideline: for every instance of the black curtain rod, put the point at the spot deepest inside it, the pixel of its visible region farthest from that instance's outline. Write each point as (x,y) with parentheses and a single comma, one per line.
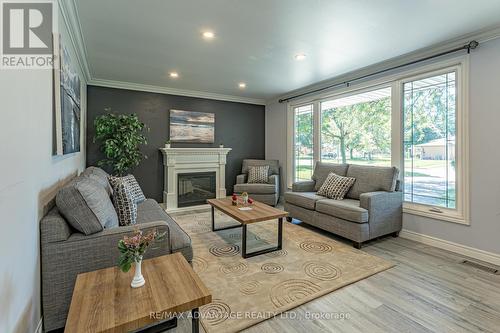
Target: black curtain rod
(469,46)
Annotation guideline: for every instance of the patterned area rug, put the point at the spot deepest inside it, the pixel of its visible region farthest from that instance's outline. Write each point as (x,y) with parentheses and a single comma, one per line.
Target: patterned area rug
(248,291)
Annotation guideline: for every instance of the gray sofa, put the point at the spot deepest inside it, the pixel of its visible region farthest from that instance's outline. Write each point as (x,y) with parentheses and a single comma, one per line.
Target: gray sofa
(372,207)
(267,193)
(66,252)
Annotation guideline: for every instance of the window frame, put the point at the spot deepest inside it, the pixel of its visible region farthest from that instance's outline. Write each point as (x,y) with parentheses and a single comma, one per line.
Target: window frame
(461,213)
(396,81)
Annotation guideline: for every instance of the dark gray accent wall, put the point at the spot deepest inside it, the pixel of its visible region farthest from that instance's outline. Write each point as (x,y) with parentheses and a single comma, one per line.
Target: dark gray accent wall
(238,126)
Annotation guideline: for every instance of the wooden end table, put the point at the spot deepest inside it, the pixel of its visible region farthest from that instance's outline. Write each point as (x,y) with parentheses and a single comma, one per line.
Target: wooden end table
(260,212)
(103,300)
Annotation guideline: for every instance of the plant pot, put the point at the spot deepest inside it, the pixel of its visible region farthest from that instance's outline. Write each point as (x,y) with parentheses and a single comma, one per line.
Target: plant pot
(221,146)
(167,145)
(138,280)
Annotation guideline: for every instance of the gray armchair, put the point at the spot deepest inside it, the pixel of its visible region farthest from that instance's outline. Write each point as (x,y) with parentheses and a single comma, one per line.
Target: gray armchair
(268,193)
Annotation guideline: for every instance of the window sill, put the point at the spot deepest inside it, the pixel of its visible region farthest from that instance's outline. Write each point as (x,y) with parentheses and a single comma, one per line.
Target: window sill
(447,216)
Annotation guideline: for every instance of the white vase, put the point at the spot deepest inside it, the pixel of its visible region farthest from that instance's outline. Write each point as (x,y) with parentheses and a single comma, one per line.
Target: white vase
(138,280)
(167,145)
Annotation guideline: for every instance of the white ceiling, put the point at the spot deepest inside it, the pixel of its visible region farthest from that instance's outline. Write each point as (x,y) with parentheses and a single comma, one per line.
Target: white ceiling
(256,40)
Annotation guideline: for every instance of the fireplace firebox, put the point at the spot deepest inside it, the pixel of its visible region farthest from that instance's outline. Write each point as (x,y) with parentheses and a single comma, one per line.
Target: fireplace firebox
(195,188)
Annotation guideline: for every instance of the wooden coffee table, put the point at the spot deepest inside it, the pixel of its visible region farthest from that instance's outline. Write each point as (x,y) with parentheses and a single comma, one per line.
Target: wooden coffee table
(103,300)
(260,212)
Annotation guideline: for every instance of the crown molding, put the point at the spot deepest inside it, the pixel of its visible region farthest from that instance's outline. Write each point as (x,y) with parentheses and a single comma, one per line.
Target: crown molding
(72,22)
(481,36)
(173,91)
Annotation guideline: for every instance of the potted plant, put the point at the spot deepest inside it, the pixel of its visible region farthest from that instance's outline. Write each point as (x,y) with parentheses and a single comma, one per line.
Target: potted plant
(132,250)
(221,145)
(120,137)
(167,144)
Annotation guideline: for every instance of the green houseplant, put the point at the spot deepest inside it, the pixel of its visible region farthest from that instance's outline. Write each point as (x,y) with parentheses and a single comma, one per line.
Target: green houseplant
(120,137)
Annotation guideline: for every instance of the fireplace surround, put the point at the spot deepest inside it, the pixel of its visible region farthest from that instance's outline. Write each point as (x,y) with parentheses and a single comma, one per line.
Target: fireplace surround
(195,162)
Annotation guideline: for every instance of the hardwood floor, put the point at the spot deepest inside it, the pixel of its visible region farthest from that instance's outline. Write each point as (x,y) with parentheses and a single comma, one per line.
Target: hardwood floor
(430,290)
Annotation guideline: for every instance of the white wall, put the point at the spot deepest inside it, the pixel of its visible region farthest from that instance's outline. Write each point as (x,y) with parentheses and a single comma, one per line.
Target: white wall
(276,136)
(29,178)
(484,113)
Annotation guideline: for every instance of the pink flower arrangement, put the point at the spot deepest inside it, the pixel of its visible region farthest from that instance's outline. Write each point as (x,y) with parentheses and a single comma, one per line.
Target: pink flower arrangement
(132,248)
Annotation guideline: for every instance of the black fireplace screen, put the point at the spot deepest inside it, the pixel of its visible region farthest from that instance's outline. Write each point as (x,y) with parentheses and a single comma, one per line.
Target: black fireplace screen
(195,188)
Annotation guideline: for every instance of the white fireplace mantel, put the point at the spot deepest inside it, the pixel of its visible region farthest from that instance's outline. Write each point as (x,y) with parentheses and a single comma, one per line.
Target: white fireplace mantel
(185,160)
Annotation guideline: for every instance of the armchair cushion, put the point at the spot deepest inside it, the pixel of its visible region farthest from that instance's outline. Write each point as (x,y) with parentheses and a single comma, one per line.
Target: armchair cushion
(255,188)
(241,179)
(347,209)
(274,167)
(305,200)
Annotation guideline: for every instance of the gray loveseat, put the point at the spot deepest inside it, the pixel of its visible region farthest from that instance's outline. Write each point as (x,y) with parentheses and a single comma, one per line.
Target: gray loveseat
(372,207)
(66,252)
(267,193)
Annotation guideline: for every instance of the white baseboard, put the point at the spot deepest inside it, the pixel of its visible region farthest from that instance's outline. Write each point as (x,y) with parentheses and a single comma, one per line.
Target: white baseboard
(471,252)
(39,326)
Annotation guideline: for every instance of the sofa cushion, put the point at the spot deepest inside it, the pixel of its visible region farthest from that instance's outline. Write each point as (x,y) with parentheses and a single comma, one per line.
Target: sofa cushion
(303,199)
(322,170)
(255,188)
(371,179)
(150,210)
(347,209)
(274,166)
(86,206)
(100,176)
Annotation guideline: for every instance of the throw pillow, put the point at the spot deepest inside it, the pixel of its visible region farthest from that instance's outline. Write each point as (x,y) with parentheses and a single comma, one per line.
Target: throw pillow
(336,187)
(258,174)
(124,200)
(86,206)
(134,187)
(100,176)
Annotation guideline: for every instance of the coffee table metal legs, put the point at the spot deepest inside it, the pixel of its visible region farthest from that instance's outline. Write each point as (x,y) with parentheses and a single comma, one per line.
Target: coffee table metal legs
(225,228)
(195,321)
(244,252)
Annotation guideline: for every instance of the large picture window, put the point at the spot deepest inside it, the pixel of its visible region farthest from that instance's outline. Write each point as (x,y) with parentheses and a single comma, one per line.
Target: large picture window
(357,129)
(415,120)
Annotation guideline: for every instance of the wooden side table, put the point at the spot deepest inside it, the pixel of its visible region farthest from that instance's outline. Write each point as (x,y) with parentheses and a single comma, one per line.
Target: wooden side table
(103,300)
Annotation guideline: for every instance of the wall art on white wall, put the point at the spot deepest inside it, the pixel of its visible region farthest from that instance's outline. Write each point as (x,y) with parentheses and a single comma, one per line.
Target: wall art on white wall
(67,101)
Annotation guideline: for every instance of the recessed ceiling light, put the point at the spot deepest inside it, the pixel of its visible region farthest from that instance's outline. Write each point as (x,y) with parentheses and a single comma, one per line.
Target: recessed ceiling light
(208,34)
(174,75)
(242,85)
(300,56)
